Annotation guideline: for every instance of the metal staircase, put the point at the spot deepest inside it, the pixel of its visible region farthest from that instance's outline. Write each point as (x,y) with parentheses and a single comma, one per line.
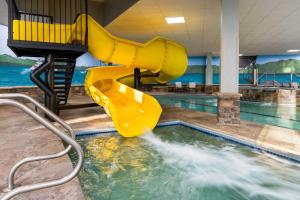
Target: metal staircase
(63,74)
(58,72)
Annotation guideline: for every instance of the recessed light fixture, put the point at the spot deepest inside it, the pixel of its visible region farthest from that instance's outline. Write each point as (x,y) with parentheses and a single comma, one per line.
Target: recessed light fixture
(175,20)
(241,54)
(293,51)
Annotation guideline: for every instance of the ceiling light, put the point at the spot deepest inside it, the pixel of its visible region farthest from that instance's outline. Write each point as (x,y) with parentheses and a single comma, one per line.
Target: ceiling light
(241,54)
(293,51)
(175,20)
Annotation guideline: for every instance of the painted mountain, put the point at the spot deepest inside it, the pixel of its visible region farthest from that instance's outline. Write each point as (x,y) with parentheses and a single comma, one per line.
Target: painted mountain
(200,69)
(281,66)
(7,60)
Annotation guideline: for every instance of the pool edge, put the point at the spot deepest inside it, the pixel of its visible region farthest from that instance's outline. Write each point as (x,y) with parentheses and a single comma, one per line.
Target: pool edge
(232,139)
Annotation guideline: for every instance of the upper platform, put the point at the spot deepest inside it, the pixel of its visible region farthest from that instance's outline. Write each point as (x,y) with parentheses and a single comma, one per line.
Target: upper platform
(37,28)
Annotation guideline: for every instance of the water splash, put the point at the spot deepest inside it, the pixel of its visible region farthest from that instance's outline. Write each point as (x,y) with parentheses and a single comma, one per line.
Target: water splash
(26,71)
(203,166)
(83,71)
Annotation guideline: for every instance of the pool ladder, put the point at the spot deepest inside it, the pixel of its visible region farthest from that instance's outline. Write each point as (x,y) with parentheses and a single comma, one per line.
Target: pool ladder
(12,190)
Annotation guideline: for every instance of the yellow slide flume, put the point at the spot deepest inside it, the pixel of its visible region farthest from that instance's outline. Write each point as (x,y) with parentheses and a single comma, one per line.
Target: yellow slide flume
(133,112)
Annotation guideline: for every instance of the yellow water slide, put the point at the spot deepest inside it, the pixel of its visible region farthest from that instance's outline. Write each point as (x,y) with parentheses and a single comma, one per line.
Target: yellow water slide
(133,112)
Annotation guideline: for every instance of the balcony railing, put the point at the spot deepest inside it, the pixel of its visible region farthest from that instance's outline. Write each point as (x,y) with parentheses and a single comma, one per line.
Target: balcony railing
(48,21)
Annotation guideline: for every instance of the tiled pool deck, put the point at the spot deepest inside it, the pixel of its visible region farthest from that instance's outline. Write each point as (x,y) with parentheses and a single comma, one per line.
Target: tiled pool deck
(22,137)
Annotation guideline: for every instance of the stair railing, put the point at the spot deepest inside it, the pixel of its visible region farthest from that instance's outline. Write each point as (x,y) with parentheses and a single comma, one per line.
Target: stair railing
(298,75)
(11,191)
(35,77)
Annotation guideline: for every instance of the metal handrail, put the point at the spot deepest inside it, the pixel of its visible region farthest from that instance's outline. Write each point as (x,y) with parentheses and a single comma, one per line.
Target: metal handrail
(261,76)
(11,192)
(296,74)
(41,107)
(37,158)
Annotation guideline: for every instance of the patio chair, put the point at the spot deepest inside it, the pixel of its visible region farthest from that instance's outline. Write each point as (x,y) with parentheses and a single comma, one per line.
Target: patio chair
(178,87)
(192,87)
(294,85)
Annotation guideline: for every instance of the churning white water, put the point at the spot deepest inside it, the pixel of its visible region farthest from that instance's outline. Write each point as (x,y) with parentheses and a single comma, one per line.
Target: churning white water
(229,167)
(26,71)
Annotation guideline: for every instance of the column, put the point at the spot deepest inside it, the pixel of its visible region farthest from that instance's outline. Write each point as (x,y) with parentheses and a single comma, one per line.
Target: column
(255,76)
(229,98)
(209,74)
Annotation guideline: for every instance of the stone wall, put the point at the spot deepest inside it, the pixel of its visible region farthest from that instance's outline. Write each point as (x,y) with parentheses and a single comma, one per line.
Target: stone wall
(36,93)
(210,89)
(271,95)
(171,88)
(258,94)
(228,108)
(286,97)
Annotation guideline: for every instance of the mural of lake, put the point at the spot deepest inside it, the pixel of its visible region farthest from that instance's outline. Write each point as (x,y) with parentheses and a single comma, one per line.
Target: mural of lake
(281,65)
(19,76)
(243,78)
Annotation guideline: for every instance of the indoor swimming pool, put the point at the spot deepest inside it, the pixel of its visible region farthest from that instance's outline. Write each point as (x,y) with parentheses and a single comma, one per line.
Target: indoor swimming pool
(177,162)
(262,113)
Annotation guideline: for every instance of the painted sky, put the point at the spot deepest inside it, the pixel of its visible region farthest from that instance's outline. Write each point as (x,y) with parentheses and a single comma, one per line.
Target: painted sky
(3,41)
(201,60)
(197,60)
(87,60)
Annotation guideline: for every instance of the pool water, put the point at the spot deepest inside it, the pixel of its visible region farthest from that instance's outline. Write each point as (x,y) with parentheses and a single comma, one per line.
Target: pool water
(177,162)
(262,113)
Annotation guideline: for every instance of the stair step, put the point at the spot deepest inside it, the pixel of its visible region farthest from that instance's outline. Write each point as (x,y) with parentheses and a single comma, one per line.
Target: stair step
(61,93)
(64,70)
(61,66)
(61,59)
(61,81)
(62,99)
(62,73)
(60,77)
(60,90)
(59,87)
(60,84)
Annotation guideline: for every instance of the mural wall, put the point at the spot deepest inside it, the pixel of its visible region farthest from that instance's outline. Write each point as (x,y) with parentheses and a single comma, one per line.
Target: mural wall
(280,69)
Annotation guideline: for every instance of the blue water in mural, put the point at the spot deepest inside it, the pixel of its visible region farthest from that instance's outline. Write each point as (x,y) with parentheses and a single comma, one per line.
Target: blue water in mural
(243,78)
(19,76)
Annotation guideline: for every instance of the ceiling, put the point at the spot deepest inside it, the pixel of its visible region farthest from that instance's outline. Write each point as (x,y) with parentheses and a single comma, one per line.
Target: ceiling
(266,26)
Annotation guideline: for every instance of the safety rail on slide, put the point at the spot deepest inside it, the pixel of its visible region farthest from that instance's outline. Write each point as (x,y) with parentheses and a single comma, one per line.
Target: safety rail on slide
(13,190)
